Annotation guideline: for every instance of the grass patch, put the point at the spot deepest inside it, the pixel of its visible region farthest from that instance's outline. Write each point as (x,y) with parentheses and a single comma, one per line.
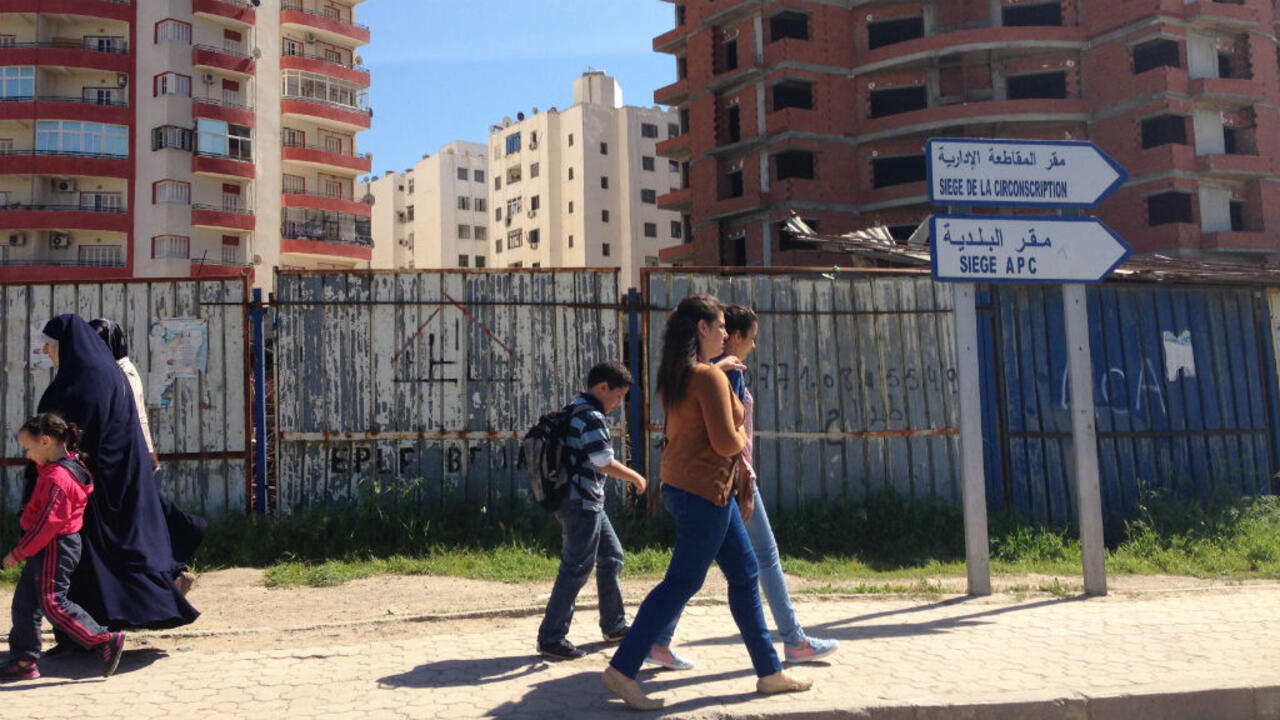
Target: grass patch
(885,545)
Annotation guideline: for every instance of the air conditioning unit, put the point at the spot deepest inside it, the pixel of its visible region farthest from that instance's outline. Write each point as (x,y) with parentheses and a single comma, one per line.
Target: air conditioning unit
(209,78)
(122,79)
(533,213)
(64,185)
(311,38)
(60,241)
(17,239)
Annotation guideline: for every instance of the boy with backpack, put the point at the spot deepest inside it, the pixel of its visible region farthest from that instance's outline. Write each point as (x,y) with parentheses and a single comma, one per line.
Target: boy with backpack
(587,536)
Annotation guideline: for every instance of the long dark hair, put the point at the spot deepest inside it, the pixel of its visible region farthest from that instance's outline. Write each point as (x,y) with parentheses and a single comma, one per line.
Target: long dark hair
(680,345)
(52,425)
(113,335)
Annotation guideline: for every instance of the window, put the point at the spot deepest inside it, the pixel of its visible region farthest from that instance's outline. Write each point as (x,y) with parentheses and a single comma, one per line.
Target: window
(535,203)
(789,24)
(8,40)
(462,173)
(323,89)
(1154,54)
(1027,15)
(171,246)
(6,146)
(1164,130)
(497,245)
(604,182)
(1237,216)
(604,148)
(513,174)
(294,138)
(101,255)
(793,94)
(675,229)
(570,173)
(646,163)
(604,249)
(794,164)
(888,32)
(513,143)
(733,183)
(230,250)
(17,82)
(533,170)
(480,261)
(76,137)
(730,54)
(515,239)
(464,261)
(464,202)
(897,170)
(172,83)
(673,129)
(649,197)
(477,175)
(534,237)
(411,188)
(570,241)
(334,187)
(497,213)
(173,31)
(497,182)
(216,137)
(293,184)
(171,136)
(1039,85)
(570,207)
(480,232)
(410,243)
(570,139)
(464,232)
(604,216)
(648,130)
(408,213)
(651,230)
(734,124)
(898,100)
(480,204)
(172,191)
(1169,207)
(515,206)
(673,165)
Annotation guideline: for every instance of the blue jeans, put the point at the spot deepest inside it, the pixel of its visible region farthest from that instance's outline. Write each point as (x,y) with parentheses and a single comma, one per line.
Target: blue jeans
(704,532)
(587,539)
(771,580)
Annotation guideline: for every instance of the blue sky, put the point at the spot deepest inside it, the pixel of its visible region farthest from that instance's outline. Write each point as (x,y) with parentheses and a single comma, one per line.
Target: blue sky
(446,70)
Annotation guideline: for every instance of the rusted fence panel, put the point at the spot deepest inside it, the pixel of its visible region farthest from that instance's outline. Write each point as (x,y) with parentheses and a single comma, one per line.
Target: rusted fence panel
(854,379)
(424,382)
(199,419)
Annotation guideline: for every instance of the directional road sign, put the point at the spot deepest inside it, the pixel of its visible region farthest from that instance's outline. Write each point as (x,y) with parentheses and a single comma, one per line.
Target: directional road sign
(991,248)
(1049,173)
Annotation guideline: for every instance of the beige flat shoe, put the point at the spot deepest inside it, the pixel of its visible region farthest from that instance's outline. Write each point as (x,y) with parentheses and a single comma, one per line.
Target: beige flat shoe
(782,683)
(629,693)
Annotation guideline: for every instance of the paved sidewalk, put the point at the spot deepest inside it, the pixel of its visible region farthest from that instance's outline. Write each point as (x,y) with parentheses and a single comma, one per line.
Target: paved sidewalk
(1203,654)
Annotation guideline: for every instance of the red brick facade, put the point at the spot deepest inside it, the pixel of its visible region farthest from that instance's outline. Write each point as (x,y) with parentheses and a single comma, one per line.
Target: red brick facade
(815,108)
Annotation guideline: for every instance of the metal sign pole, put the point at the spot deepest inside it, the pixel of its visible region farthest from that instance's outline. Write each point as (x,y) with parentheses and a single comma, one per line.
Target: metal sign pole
(973,473)
(1084,439)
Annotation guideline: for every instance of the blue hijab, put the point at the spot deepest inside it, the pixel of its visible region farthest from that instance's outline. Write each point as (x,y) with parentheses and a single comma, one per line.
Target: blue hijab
(125,576)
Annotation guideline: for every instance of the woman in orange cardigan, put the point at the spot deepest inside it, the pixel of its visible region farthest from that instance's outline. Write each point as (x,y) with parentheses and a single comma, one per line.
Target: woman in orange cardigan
(700,467)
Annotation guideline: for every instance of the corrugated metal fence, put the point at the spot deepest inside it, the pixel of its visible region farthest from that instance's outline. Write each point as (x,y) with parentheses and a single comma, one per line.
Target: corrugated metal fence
(425,381)
(198,420)
(854,379)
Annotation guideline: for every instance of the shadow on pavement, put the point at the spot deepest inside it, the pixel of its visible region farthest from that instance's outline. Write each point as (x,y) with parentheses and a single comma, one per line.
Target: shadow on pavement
(84,667)
(455,673)
(582,695)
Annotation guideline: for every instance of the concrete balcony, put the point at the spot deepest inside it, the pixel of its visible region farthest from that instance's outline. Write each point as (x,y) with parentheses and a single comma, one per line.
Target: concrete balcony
(1231,92)
(222,109)
(326,159)
(728,207)
(222,58)
(673,94)
(222,166)
(678,200)
(1004,41)
(347,117)
(354,74)
(675,148)
(46,107)
(931,119)
(58,54)
(320,201)
(32,162)
(1205,14)
(107,9)
(327,28)
(1241,242)
(238,11)
(64,217)
(222,217)
(671,41)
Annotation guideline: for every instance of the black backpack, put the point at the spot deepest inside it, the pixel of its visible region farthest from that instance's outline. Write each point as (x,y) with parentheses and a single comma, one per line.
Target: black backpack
(548,459)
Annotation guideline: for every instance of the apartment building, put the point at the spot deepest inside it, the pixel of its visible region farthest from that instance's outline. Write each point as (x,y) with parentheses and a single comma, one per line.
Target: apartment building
(180,138)
(823,109)
(435,214)
(579,187)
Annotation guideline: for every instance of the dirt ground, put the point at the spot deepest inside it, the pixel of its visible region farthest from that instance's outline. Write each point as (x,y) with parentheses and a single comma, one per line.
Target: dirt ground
(240,613)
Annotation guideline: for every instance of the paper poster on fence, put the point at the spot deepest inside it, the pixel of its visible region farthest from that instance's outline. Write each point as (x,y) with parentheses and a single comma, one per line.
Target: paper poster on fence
(179,349)
(37,360)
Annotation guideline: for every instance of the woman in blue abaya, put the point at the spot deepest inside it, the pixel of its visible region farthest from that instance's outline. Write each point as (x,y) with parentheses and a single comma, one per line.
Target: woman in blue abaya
(125,577)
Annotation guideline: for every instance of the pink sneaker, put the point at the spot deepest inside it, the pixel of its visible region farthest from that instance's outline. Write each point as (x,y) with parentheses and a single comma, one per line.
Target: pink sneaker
(668,659)
(18,670)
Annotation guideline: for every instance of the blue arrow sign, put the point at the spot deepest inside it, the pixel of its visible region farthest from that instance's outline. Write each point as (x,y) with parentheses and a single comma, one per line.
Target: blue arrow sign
(1033,173)
(990,248)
